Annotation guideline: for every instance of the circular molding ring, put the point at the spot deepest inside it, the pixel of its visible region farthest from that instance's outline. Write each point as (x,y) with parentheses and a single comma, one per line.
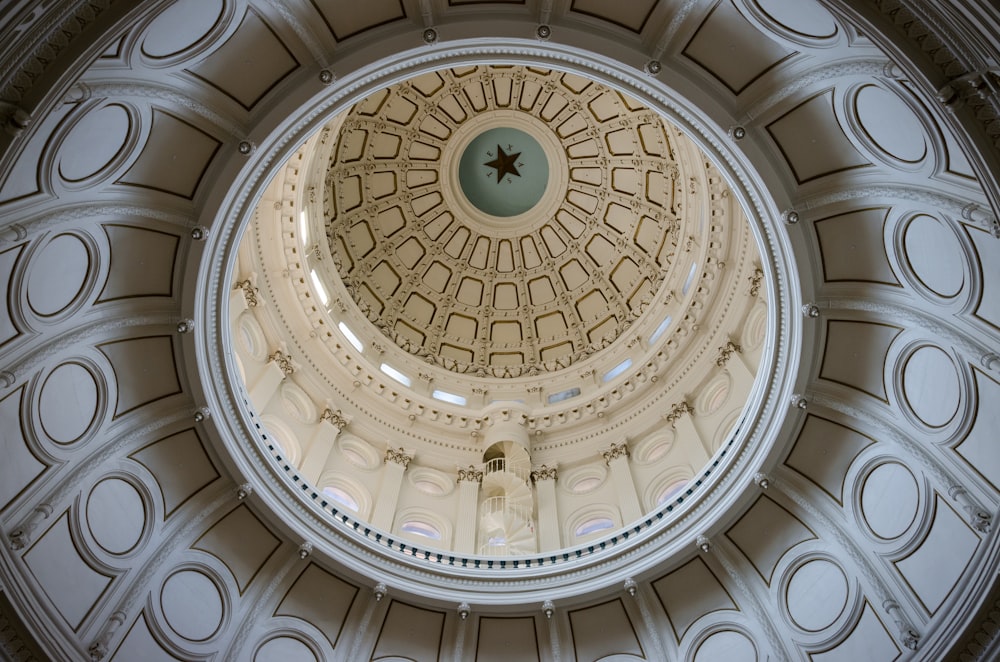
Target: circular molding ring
(290,504)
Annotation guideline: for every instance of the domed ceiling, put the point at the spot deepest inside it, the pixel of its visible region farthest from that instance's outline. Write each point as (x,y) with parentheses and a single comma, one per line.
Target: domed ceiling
(504,220)
(207,456)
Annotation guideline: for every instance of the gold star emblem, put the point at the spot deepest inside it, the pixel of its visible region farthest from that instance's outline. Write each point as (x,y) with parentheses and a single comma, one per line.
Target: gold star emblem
(505,164)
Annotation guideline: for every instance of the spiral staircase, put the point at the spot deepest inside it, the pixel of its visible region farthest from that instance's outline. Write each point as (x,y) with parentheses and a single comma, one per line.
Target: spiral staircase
(506,522)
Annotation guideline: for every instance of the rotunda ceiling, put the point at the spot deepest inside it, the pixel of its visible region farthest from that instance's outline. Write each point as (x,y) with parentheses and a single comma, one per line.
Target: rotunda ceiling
(503,220)
(498,256)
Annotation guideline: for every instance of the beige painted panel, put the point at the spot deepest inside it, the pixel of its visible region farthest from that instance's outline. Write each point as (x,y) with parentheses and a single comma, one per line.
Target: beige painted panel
(602,630)
(811,141)
(19,467)
(730,48)
(868,640)
(825,451)
(321,599)
(765,533)
(145,369)
(631,15)
(174,158)
(242,542)
(8,260)
(979,448)
(361,17)
(139,644)
(72,586)
(855,355)
(142,262)
(179,465)
(410,632)
(690,592)
(988,250)
(934,568)
(852,247)
(506,639)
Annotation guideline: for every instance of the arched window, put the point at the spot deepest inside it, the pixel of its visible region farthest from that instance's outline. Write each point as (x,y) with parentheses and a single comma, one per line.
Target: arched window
(593,525)
(671,491)
(342,497)
(423,529)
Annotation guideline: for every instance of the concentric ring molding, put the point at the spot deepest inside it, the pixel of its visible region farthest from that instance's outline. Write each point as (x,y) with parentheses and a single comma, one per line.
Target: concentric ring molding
(288,505)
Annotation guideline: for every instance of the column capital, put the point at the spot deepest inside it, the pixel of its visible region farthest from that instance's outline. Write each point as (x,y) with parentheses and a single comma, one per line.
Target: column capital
(543,472)
(283,361)
(471,474)
(335,417)
(398,456)
(726,351)
(677,411)
(615,451)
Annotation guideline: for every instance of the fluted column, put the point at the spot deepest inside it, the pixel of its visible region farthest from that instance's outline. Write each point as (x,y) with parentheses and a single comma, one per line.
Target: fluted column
(731,358)
(314,461)
(469,481)
(396,462)
(696,450)
(616,458)
(544,478)
(278,366)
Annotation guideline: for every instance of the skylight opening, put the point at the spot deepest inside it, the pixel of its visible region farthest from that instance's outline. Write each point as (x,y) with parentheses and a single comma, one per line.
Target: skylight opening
(303,227)
(671,492)
(617,370)
(422,529)
(445,396)
(395,374)
(594,525)
(341,497)
(661,328)
(351,338)
(564,395)
(690,278)
(320,290)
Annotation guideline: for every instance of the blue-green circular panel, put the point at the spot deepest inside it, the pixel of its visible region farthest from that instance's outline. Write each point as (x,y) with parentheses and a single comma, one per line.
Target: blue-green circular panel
(503,172)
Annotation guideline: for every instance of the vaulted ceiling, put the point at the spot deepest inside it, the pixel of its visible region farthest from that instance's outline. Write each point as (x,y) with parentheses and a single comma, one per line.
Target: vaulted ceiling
(146,517)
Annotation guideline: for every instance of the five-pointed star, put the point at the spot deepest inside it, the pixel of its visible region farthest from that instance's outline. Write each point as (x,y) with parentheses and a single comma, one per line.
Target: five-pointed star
(504,164)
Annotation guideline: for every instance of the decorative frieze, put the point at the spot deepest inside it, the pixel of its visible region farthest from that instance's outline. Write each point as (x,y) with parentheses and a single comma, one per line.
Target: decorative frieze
(726,351)
(284,361)
(615,451)
(756,281)
(543,472)
(398,456)
(471,474)
(335,417)
(677,411)
(249,292)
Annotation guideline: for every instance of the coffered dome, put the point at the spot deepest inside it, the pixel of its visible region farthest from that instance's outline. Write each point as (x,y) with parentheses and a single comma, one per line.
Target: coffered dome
(507,273)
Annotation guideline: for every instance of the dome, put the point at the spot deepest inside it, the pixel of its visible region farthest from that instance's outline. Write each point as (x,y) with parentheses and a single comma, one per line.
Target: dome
(609,307)
(498,330)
